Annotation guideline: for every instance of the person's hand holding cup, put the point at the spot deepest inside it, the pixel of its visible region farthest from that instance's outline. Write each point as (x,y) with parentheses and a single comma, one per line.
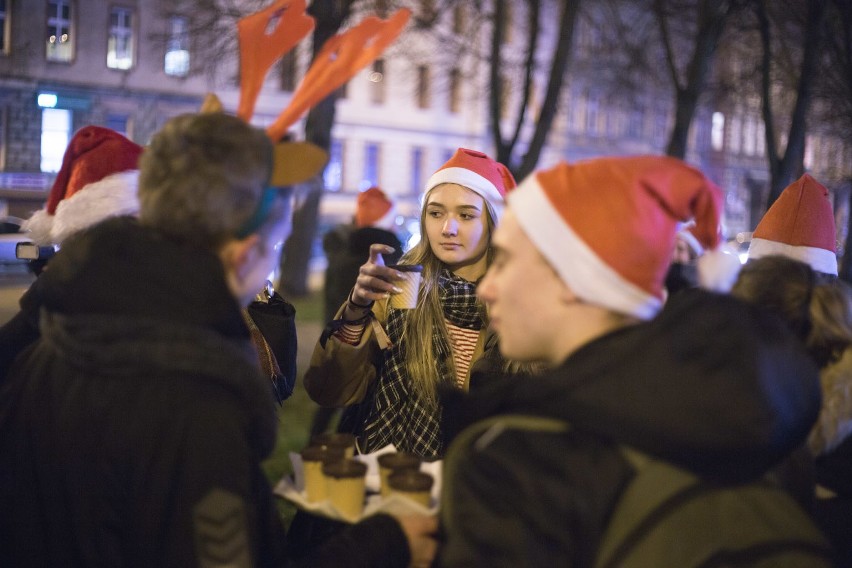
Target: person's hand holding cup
(376,281)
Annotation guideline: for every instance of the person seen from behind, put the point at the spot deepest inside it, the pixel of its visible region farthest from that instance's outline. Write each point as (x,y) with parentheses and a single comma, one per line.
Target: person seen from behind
(132,432)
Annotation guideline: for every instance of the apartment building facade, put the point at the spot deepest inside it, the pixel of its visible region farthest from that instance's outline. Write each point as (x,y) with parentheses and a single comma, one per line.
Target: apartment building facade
(130,65)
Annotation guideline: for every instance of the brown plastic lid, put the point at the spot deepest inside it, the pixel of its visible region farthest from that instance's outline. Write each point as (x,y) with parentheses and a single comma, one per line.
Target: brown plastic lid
(407,267)
(333,439)
(344,469)
(399,460)
(324,454)
(410,480)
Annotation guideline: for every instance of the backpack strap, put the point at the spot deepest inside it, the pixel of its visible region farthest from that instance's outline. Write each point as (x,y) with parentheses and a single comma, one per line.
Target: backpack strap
(667,516)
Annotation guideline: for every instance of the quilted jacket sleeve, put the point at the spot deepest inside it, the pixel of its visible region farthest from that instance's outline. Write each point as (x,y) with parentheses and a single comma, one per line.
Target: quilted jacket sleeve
(340,374)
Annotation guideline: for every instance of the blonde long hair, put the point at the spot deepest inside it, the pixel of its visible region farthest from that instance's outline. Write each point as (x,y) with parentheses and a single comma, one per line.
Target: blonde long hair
(427,318)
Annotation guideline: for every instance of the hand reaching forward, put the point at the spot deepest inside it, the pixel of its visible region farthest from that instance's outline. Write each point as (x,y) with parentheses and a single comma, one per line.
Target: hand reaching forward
(374,282)
(420,532)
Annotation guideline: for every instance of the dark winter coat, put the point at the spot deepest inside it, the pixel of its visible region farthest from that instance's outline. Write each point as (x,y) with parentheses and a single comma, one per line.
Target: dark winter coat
(710,385)
(346,248)
(132,431)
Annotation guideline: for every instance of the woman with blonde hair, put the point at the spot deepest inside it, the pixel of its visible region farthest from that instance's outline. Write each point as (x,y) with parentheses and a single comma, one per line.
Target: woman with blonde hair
(384,363)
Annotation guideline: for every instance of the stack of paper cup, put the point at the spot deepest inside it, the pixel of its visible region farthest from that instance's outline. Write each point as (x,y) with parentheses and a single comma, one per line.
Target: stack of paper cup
(313,459)
(392,463)
(410,285)
(346,486)
(413,484)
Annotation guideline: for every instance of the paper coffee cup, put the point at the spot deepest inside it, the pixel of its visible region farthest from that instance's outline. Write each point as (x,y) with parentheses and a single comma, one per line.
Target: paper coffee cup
(346,482)
(410,285)
(313,459)
(415,485)
(392,463)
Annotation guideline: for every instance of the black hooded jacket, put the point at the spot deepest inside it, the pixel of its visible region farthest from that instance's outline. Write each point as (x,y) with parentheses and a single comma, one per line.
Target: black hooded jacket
(711,385)
(132,431)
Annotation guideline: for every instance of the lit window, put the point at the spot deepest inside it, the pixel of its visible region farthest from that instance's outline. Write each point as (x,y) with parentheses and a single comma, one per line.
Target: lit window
(735,135)
(635,124)
(333,174)
(417,154)
(377,78)
(808,160)
(749,134)
(760,141)
(423,86)
(55,132)
(59,40)
(458,19)
(5,11)
(371,166)
(177,47)
(455,90)
(717,131)
(592,113)
(118,122)
(120,42)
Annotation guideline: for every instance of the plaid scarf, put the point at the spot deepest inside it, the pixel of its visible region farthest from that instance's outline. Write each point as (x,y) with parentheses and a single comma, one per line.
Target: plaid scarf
(397,414)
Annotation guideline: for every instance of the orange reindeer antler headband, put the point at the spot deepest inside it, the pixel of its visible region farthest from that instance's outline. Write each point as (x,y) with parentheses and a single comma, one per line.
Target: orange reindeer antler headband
(340,58)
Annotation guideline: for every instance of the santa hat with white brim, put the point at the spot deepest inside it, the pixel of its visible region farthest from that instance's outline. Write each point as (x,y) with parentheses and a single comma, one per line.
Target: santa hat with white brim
(98,179)
(608,226)
(799,225)
(477,172)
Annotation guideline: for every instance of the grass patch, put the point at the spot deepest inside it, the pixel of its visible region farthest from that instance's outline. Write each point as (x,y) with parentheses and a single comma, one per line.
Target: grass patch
(297,412)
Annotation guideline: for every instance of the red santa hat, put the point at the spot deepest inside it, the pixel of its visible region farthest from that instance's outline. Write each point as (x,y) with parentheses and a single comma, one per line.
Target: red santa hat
(608,225)
(799,225)
(104,164)
(374,209)
(477,172)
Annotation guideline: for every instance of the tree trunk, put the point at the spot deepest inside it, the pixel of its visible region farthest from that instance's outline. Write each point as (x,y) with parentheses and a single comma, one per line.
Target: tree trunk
(296,257)
(711,23)
(791,165)
(505,149)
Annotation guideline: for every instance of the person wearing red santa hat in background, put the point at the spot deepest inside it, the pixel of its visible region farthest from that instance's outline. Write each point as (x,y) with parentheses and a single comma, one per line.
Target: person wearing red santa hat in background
(799,225)
(348,244)
(385,363)
(792,270)
(98,180)
(698,380)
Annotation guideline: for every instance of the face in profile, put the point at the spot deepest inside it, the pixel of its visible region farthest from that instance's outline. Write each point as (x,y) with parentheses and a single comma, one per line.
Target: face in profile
(454,218)
(524,296)
(266,252)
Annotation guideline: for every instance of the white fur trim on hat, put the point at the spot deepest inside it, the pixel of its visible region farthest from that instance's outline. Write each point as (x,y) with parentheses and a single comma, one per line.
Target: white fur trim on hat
(468,179)
(589,277)
(819,259)
(112,196)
